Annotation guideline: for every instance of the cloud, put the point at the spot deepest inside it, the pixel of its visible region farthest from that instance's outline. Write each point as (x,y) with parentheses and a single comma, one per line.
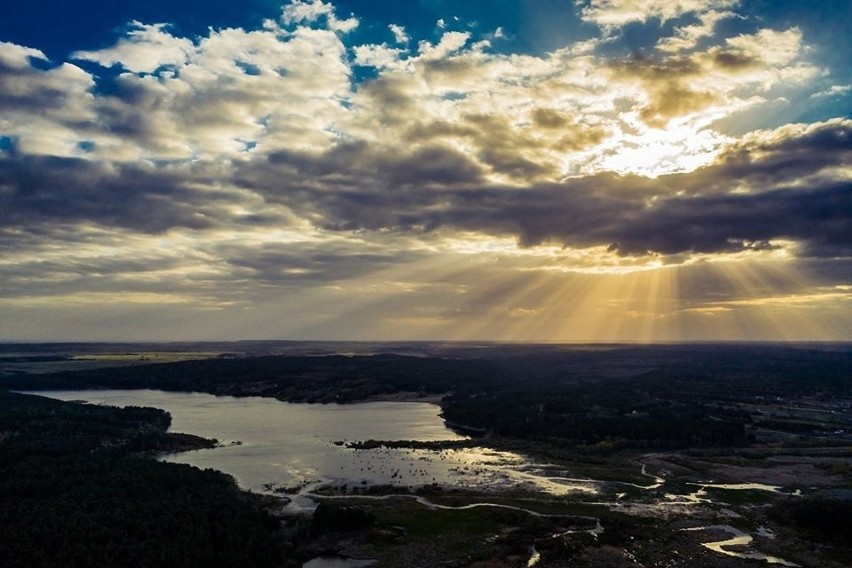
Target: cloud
(678,85)
(399,33)
(769,46)
(233,90)
(615,13)
(14,56)
(141,197)
(45,112)
(249,163)
(310,11)
(450,42)
(245,118)
(668,85)
(145,49)
(295,265)
(733,205)
(833,91)
(378,56)
(688,37)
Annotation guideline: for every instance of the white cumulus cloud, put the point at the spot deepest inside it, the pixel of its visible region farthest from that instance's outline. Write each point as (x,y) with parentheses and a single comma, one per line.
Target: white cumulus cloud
(145,49)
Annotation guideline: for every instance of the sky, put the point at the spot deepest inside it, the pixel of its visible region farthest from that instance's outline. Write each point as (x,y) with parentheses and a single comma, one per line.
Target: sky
(519,170)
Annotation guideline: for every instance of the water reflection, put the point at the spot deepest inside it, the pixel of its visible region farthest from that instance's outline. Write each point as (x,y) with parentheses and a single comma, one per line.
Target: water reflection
(290,447)
(335,562)
(738,539)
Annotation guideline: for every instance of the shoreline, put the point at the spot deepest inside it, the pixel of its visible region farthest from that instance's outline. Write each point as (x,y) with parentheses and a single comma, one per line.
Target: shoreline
(405,396)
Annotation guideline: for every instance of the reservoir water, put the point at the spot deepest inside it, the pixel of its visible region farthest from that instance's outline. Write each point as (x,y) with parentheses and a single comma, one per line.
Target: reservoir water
(268,444)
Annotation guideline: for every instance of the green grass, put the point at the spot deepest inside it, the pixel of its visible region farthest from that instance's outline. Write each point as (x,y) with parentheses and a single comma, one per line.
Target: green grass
(741,497)
(420,522)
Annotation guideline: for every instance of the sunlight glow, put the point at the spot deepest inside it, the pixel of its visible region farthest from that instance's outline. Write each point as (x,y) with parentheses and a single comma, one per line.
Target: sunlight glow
(682,146)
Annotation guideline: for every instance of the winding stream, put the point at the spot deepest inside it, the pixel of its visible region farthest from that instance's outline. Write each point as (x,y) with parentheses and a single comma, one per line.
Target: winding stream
(738,538)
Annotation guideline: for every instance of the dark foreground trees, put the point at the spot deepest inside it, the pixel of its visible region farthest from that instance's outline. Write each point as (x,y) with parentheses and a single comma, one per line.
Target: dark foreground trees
(74,491)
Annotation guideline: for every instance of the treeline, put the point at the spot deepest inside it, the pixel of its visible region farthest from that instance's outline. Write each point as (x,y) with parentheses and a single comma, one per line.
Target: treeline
(75,492)
(325,379)
(611,415)
(671,396)
(683,372)
(687,399)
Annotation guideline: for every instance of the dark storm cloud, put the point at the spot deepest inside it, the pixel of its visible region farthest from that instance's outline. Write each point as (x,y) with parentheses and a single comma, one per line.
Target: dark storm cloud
(789,155)
(358,165)
(145,198)
(788,187)
(820,218)
(785,190)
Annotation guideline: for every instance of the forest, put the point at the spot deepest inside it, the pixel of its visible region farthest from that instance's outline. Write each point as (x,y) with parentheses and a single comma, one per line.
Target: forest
(643,397)
(79,488)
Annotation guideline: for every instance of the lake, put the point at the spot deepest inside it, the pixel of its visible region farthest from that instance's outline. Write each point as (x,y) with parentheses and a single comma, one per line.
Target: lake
(270,444)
